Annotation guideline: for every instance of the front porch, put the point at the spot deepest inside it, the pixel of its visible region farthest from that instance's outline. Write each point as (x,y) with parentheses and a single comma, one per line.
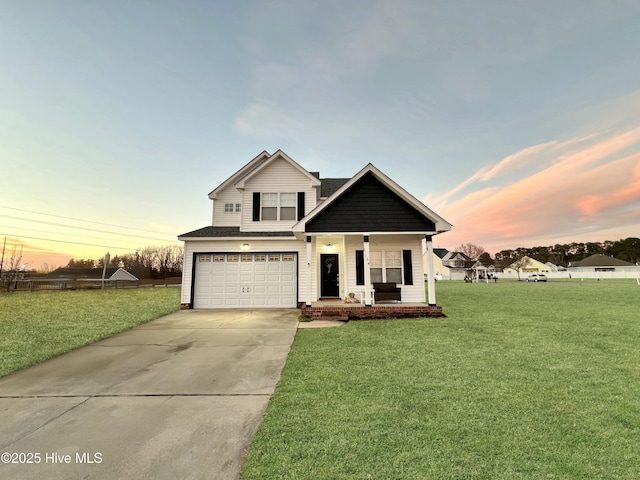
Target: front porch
(338,310)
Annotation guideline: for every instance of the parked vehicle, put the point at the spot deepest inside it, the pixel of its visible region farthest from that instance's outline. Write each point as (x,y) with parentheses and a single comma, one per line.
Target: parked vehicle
(537,277)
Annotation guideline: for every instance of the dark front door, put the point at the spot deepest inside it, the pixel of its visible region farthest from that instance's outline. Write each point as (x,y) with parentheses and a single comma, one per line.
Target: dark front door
(329,275)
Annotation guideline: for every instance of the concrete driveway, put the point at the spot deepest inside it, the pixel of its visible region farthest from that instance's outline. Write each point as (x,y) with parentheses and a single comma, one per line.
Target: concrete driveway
(178,397)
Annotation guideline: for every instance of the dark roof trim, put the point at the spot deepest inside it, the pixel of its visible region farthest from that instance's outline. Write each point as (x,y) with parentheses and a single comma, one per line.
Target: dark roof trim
(231,232)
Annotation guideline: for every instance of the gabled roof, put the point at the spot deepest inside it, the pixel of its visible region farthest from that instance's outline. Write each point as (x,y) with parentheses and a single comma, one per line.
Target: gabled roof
(86,273)
(370,172)
(248,168)
(331,185)
(464,256)
(277,155)
(440,252)
(600,260)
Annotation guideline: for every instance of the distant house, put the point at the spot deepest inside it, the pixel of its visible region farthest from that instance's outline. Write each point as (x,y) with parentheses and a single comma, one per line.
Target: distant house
(528,265)
(438,267)
(459,265)
(64,273)
(554,268)
(602,263)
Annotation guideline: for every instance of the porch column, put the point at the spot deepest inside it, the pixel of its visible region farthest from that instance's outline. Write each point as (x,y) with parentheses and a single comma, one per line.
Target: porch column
(431,280)
(308,296)
(367,273)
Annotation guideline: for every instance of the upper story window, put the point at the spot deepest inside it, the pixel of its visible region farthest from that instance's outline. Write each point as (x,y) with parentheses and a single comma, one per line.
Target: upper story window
(278,206)
(230,207)
(269,206)
(287,206)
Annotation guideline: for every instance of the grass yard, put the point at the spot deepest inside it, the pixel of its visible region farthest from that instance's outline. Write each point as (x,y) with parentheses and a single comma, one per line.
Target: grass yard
(521,381)
(40,325)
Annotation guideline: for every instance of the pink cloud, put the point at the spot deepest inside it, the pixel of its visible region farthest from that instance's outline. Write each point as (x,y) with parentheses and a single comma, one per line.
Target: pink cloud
(579,192)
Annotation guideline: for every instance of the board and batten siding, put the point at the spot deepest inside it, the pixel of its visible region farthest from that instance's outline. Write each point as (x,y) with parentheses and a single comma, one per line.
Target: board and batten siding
(233,246)
(278,177)
(410,293)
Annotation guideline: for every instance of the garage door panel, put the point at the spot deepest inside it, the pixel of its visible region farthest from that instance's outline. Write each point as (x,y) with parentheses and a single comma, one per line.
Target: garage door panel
(230,280)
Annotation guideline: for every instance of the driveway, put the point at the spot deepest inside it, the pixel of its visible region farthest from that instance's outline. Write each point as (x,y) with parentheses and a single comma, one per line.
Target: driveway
(178,397)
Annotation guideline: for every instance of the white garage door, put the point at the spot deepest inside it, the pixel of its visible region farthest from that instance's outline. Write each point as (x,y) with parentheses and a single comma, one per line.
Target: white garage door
(245,280)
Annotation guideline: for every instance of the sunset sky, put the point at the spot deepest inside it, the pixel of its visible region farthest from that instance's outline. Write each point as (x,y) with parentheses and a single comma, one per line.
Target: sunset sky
(518,122)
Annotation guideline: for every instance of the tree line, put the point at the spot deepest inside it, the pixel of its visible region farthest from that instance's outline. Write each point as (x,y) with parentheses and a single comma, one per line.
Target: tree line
(148,262)
(627,249)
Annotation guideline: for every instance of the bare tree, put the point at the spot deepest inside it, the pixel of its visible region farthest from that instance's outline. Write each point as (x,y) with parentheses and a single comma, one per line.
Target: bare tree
(15,270)
(471,250)
(519,264)
(46,268)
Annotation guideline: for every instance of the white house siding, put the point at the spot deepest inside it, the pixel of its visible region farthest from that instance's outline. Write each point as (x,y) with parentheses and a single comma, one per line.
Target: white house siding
(438,266)
(222,219)
(278,177)
(410,293)
(233,246)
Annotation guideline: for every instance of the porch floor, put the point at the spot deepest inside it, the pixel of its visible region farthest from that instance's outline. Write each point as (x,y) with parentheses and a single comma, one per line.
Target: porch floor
(339,310)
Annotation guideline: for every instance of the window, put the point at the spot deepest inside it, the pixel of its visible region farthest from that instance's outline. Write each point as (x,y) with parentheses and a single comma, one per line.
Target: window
(246,257)
(274,257)
(287,257)
(269,206)
(204,258)
(393,265)
(288,206)
(375,262)
(278,206)
(261,258)
(218,258)
(230,208)
(232,258)
(386,266)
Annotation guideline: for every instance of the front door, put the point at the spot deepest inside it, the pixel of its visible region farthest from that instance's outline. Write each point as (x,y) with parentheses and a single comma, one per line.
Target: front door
(329,275)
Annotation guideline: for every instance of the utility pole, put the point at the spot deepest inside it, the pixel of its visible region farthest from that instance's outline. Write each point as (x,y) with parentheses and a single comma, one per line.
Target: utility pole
(2,260)
(107,258)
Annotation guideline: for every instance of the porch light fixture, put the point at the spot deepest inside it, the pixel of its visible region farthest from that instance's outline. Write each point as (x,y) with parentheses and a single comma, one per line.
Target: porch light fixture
(245,247)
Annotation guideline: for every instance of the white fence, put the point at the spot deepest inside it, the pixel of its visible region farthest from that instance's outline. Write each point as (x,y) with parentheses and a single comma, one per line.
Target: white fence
(576,275)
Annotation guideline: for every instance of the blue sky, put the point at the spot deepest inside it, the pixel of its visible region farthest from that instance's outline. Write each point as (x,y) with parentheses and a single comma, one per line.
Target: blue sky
(518,122)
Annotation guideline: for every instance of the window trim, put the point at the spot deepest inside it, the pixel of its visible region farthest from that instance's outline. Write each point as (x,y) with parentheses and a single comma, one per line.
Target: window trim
(383,267)
(279,206)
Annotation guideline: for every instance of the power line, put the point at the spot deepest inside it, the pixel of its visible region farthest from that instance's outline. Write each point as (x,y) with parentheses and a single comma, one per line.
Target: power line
(78,235)
(72,243)
(82,228)
(83,220)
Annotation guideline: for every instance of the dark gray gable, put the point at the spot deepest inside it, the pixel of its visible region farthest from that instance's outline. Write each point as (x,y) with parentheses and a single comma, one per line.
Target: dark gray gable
(370,206)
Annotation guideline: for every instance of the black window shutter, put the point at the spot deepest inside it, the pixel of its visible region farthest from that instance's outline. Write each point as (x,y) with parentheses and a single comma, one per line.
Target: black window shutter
(359,267)
(256,206)
(408,267)
(300,205)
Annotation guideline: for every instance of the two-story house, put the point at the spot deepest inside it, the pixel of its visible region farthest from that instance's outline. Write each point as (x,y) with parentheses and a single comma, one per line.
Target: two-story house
(284,237)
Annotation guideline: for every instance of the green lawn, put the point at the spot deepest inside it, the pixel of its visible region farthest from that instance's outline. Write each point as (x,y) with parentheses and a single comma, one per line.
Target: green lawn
(40,325)
(520,381)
